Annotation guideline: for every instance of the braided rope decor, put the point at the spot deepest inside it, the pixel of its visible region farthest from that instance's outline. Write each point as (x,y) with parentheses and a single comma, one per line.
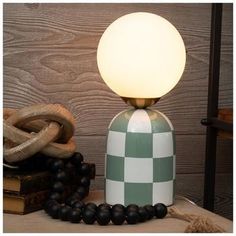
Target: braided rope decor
(46,128)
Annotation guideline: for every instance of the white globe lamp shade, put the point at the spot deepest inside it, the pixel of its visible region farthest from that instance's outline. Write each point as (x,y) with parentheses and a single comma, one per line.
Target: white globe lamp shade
(141,55)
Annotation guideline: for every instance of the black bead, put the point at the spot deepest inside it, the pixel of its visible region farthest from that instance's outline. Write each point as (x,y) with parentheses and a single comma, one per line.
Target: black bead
(55,196)
(75,215)
(132,207)
(160,210)
(143,214)
(57,165)
(77,196)
(76,159)
(84,169)
(70,201)
(85,181)
(54,211)
(58,187)
(49,162)
(91,205)
(81,191)
(60,176)
(118,217)
(103,217)
(69,165)
(48,204)
(117,207)
(132,217)
(79,204)
(64,213)
(89,216)
(151,211)
(104,206)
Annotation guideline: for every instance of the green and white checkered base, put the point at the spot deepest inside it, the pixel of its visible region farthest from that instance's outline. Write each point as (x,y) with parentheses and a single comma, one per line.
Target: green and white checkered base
(140,158)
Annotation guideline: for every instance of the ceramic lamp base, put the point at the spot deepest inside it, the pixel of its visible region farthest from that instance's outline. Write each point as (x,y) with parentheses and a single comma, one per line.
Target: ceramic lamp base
(140,158)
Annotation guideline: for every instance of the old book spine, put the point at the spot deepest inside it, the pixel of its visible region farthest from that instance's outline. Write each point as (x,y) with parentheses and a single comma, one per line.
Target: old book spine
(42,181)
(33,201)
(29,183)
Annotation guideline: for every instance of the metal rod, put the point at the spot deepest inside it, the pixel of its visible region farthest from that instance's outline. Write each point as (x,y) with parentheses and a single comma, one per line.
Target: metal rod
(212,109)
(217,123)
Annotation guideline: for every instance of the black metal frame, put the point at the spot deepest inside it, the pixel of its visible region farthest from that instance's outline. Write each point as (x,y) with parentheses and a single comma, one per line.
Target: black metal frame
(212,122)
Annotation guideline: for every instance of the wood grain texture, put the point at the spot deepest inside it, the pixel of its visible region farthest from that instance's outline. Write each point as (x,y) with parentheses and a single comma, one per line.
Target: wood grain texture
(71,78)
(59,61)
(226,70)
(81,25)
(50,57)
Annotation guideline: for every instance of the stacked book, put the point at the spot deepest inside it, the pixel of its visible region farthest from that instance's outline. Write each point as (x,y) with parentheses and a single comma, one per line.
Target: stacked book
(25,189)
(24,192)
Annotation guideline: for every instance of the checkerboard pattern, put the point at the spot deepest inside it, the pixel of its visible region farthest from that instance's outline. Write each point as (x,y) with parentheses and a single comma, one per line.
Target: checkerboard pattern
(140,158)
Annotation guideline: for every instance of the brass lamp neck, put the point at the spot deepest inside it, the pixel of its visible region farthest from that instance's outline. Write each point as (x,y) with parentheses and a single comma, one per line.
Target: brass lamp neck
(140,102)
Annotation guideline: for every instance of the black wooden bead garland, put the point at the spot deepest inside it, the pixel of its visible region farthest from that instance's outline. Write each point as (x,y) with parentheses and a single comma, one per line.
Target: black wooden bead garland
(74,209)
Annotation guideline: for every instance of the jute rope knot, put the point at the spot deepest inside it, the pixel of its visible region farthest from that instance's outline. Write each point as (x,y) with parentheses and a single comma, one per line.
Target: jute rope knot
(198,224)
(46,128)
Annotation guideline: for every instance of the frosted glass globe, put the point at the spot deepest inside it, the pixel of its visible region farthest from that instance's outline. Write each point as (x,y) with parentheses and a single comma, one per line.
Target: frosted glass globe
(141,55)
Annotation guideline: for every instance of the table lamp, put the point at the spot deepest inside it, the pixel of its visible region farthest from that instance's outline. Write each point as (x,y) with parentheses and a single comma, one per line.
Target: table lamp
(141,57)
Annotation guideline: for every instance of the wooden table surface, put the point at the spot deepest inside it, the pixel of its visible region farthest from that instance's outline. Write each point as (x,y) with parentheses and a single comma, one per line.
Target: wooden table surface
(39,222)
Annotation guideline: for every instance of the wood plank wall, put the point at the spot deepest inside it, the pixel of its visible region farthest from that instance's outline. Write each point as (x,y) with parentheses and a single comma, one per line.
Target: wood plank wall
(50,57)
